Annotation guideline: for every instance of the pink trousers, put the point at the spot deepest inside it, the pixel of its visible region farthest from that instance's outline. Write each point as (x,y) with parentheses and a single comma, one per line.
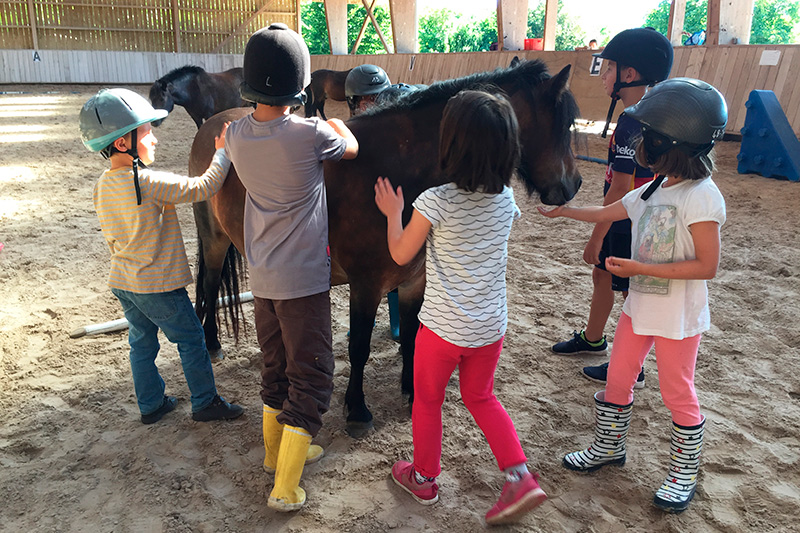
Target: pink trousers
(434,362)
(676,361)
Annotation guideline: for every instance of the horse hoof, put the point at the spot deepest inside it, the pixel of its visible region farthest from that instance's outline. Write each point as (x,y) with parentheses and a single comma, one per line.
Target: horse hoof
(217,355)
(359,430)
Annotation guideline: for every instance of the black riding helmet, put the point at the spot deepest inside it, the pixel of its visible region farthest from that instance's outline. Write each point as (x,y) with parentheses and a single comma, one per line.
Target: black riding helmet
(682,113)
(277,67)
(365,80)
(643,49)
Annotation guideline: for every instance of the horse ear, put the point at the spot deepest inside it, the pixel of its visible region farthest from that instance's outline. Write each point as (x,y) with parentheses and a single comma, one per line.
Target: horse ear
(558,83)
(514,62)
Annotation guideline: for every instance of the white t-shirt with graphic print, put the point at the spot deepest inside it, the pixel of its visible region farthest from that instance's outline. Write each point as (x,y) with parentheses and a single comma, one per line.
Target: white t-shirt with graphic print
(671,308)
(467,251)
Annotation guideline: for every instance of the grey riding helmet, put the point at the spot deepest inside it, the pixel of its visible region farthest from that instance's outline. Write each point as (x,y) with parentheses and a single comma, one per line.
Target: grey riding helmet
(112,113)
(394,92)
(365,80)
(277,67)
(687,113)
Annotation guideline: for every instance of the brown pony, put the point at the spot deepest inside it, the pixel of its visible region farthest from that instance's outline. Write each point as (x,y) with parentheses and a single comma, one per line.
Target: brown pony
(400,141)
(203,94)
(324,84)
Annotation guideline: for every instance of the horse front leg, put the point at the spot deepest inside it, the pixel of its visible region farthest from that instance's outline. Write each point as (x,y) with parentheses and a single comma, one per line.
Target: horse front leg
(411,294)
(213,246)
(364,301)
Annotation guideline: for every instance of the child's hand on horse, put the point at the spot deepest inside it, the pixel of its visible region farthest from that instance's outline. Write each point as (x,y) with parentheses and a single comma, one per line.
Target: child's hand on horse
(552,213)
(219,141)
(388,201)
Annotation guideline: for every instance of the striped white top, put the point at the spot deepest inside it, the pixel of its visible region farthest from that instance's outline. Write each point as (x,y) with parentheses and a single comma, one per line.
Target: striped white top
(147,252)
(465,291)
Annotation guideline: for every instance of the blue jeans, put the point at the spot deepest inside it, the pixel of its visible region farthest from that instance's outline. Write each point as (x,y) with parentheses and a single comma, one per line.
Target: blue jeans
(173,313)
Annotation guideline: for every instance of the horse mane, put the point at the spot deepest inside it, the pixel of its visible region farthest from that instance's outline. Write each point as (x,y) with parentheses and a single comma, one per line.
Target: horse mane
(180,72)
(529,73)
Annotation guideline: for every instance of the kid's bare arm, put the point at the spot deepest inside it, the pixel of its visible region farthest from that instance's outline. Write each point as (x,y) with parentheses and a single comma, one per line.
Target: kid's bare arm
(352,144)
(605,213)
(404,243)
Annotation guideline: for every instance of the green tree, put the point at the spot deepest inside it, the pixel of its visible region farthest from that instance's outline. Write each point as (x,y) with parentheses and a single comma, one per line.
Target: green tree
(434,30)
(473,35)
(775,22)
(568,34)
(315,28)
(694,19)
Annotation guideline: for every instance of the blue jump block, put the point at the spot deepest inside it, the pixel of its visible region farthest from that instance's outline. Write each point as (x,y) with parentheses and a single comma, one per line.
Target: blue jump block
(769,146)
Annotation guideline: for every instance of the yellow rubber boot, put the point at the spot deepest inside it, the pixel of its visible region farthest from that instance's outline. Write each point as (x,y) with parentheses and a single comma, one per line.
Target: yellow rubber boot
(273,430)
(286,495)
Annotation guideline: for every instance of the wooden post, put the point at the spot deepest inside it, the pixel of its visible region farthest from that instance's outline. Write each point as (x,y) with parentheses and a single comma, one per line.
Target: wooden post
(298,17)
(735,21)
(550,18)
(515,23)
(405,27)
(176,26)
(712,22)
(32,21)
(500,40)
(677,17)
(336,17)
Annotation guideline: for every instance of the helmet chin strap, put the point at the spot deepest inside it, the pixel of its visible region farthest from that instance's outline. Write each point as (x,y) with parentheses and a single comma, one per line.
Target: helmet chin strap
(133,152)
(615,96)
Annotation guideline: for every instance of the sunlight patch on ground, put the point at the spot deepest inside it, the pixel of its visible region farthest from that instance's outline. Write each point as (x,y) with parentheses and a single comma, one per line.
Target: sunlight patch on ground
(10,207)
(35,101)
(26,113)
(16,173)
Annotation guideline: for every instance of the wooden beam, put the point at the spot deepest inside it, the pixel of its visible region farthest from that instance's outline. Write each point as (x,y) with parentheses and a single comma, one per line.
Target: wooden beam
(550,26)
(176,26)
(405,28)
(361,31)
(735,21)
(377,28)
(242,25)
(677,17)
(32,22)
(712,22)
(336,18)
(515,23)
(298,20)
(500,40)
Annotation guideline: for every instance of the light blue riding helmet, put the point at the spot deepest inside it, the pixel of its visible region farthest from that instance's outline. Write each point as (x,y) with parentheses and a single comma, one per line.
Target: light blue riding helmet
(112,113)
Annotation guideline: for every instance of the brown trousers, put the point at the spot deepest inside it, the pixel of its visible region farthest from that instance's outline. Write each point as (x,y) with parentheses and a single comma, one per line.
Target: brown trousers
(295,340)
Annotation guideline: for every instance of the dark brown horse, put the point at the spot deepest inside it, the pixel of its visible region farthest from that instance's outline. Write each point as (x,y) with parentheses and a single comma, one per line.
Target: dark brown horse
(324,84)
(400,142)
(202,93)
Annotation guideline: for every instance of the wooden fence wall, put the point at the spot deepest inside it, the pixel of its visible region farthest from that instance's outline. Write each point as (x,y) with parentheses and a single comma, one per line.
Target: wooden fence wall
(181,26)
(734,70)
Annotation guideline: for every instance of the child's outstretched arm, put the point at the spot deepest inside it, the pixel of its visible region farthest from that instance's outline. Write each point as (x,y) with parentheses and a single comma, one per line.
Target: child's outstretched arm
(352,143)
(705,236)
(404,244)
(604,213)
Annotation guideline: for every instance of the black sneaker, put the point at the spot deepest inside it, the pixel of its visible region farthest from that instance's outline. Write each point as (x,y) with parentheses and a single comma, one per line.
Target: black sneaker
(599,373)
(218,409)
(167,405)
(578,345)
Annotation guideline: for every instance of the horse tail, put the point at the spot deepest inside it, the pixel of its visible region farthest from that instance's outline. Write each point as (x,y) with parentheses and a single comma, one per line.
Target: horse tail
(309,107)
(206,305)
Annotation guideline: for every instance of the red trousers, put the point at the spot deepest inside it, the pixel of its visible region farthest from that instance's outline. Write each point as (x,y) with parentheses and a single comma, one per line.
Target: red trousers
(434,362)
(676,361)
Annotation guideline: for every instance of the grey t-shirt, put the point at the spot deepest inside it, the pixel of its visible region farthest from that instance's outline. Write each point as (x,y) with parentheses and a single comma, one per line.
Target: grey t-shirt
(286,213)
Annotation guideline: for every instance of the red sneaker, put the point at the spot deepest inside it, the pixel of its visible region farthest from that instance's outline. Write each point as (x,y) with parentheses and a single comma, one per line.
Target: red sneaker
(517,499)
(425,493)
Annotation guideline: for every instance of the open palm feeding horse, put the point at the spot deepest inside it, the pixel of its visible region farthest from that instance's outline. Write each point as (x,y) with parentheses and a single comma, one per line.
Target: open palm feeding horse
(400,141)
(202,93)
(324,84)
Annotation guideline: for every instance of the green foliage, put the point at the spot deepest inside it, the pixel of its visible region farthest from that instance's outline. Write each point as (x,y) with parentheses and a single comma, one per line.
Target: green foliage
(474,36)
(315,28)
(775,22)
(568,34)
(434,28)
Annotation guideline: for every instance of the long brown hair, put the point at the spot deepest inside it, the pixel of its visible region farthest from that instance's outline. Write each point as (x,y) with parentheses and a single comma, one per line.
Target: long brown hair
(479,141)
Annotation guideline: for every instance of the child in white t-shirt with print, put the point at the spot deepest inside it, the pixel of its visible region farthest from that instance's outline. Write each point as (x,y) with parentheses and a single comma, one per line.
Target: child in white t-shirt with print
(466,224)
(675,248)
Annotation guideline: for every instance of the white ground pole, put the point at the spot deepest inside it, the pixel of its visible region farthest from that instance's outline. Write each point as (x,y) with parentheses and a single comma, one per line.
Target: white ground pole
(120,324)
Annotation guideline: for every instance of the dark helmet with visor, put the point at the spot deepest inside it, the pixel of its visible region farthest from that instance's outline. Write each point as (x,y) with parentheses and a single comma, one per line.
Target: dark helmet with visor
(365,80)
(277,67)
(682,113)
(643,49)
